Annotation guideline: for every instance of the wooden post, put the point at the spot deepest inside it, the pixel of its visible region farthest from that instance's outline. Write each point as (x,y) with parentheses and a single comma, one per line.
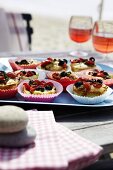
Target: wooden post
(101,6)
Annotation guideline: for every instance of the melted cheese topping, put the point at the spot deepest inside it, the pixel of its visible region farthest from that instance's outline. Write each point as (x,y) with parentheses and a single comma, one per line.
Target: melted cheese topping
(30,62)
(36,92)
(92,92)
(31,77)
(54,66)
(45,91)
(10,84)
(33,61)
(101,89)
(79,66)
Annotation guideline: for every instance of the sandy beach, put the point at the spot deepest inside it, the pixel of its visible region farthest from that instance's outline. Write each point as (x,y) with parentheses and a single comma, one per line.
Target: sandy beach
(51,34)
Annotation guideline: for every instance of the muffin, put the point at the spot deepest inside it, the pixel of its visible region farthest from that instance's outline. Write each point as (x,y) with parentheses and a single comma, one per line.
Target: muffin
(64,77)
(52,64)
(8,85)
(82,64)
(89,88)
(28,74)
(8,80)
(37,87)
(19,64)
(101,74)
(88,92)
(39,91)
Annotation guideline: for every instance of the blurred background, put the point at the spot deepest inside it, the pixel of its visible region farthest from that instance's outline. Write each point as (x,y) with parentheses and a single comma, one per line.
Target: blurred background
(50,20)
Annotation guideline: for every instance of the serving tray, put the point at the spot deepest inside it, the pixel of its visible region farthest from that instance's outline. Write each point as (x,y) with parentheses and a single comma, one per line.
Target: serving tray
(64,100)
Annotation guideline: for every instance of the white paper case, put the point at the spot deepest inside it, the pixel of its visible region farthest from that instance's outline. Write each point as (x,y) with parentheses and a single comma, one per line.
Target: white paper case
(89,100)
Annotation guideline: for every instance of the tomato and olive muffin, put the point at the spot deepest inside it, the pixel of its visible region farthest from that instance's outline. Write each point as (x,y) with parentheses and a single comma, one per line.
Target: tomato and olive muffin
(53,64)
(104,75)
(89,88)
(8,80)
(82,64)
(87,91)
(27,74)
(64,77)
(8,84)
(39,90)
(23,64)
(39,87)
(107,77)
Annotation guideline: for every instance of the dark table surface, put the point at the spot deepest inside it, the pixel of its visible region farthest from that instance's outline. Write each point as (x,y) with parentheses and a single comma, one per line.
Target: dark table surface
(94,123)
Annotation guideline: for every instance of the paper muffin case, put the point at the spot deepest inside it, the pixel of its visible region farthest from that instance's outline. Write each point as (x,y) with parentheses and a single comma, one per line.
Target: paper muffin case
(43,97)
(64,81)
(17,67)
(7,94)
(108,82)
(89,100)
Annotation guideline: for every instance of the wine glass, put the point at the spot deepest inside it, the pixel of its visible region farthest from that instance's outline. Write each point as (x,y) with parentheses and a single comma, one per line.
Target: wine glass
(80,29)
(102,37)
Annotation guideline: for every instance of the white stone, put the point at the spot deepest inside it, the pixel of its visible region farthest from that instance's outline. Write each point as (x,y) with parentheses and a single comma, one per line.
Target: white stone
(18,139)
(12,119)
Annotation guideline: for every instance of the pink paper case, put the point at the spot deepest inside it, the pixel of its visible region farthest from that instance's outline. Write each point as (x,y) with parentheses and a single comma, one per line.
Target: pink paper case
(17,67)
(8,93)
(43,97)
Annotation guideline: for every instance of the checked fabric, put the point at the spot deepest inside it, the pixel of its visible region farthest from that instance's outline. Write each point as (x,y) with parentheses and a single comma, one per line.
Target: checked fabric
(55,148)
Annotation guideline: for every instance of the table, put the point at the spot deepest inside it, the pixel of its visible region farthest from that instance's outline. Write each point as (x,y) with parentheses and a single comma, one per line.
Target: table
(95,124)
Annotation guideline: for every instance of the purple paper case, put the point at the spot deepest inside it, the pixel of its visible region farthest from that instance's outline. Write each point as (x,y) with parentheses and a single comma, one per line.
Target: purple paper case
(43,97)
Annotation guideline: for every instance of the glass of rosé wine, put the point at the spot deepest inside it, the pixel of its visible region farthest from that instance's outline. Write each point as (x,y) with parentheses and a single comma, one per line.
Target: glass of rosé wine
(80,30)
(102,37)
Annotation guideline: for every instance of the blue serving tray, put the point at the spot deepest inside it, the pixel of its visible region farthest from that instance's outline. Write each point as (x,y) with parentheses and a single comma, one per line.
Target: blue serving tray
(64,99)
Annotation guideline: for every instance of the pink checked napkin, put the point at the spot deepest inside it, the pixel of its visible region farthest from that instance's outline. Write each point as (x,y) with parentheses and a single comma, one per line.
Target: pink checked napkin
(55,147)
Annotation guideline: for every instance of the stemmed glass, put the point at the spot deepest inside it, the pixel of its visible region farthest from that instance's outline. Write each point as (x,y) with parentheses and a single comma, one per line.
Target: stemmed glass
(102,37)
(80,29)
